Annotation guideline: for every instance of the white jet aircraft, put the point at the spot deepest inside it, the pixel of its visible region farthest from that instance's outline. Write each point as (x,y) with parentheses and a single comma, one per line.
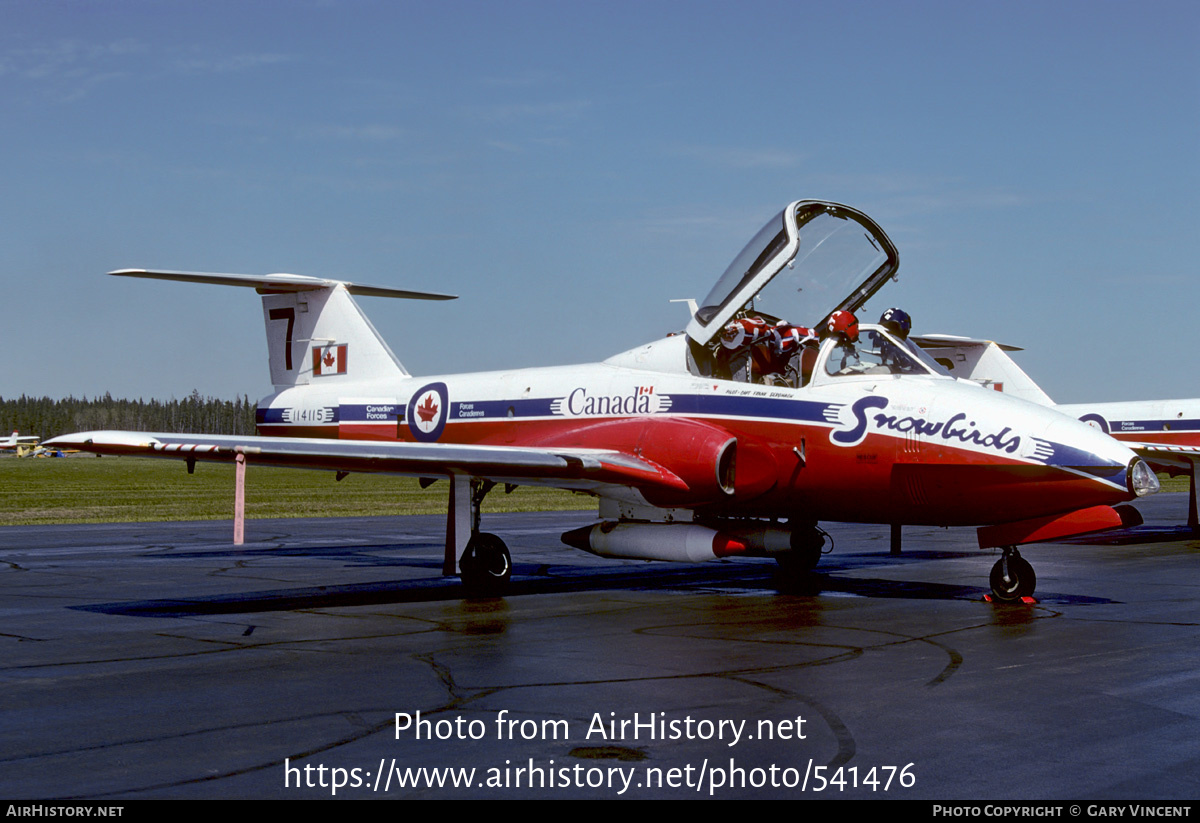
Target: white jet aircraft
(733,438)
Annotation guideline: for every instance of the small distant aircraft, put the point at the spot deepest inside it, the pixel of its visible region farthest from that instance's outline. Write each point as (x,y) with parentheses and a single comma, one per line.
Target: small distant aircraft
(18,441)
(732,438)
(1165,432)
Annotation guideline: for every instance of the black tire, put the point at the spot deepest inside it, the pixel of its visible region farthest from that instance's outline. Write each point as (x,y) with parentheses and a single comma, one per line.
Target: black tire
(796,566)
(807,544)
(1019,582)
(485,566)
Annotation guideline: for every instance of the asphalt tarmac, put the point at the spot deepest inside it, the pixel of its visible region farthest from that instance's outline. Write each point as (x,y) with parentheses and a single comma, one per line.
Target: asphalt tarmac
(157,660)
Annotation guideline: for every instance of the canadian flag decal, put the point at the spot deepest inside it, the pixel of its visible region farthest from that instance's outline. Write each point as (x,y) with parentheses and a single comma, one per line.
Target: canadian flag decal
(329,360)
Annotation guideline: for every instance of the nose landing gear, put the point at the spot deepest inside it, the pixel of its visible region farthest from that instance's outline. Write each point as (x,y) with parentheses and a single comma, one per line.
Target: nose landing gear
(1012,577)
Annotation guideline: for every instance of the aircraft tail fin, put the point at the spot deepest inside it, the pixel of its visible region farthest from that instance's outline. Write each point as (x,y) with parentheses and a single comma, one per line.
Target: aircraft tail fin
(983,361)
(315,330)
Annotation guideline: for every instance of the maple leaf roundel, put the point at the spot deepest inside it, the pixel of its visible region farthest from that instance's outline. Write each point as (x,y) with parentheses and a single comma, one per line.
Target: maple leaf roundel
(427,411)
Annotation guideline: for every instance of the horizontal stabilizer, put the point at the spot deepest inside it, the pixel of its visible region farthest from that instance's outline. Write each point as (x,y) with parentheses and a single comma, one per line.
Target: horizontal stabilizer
(952,341)
(279,283)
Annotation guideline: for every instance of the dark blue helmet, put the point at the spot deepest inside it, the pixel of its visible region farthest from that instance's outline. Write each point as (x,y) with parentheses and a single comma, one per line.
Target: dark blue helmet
(897,322)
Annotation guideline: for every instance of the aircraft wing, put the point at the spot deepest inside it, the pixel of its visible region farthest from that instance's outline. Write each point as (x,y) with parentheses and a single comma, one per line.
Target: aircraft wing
(1160,453)
(581,468)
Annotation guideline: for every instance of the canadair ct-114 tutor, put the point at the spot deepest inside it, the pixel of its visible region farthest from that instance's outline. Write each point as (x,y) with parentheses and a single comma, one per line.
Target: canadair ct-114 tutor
(774,410)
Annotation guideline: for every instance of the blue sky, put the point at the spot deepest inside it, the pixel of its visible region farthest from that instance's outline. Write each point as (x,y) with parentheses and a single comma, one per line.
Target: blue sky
(568,168)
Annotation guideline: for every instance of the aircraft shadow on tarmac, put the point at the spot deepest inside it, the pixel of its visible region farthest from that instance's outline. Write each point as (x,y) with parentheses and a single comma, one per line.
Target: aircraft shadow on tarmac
(530,579)
(1135,536)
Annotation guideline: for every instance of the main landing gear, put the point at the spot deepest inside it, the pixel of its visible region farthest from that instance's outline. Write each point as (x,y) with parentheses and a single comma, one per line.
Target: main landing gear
(808,543)
(1012,577)
(485,566)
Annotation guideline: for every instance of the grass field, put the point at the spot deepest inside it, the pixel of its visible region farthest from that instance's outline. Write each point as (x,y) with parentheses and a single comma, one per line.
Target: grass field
(83,489)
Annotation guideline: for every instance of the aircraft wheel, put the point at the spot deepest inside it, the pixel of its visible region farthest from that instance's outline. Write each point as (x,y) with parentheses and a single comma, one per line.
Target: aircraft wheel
(485,566)
(807,544)
(1012,578)
(795,566)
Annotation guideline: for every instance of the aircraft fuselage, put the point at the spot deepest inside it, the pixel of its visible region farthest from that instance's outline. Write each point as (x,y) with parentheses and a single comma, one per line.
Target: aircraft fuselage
(920,449)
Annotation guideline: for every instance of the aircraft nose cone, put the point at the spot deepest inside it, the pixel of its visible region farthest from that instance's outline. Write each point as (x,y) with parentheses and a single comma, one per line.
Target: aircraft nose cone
(1079,449)
(1142,479)
(1046,464)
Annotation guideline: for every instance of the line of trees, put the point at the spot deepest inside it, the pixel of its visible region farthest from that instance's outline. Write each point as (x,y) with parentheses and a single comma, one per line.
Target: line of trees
(49,418)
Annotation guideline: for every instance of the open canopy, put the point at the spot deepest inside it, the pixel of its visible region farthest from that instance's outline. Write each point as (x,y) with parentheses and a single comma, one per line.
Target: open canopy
(808,261)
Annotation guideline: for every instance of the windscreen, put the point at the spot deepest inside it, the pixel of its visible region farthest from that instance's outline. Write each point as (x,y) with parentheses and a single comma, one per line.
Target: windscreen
(762,249)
